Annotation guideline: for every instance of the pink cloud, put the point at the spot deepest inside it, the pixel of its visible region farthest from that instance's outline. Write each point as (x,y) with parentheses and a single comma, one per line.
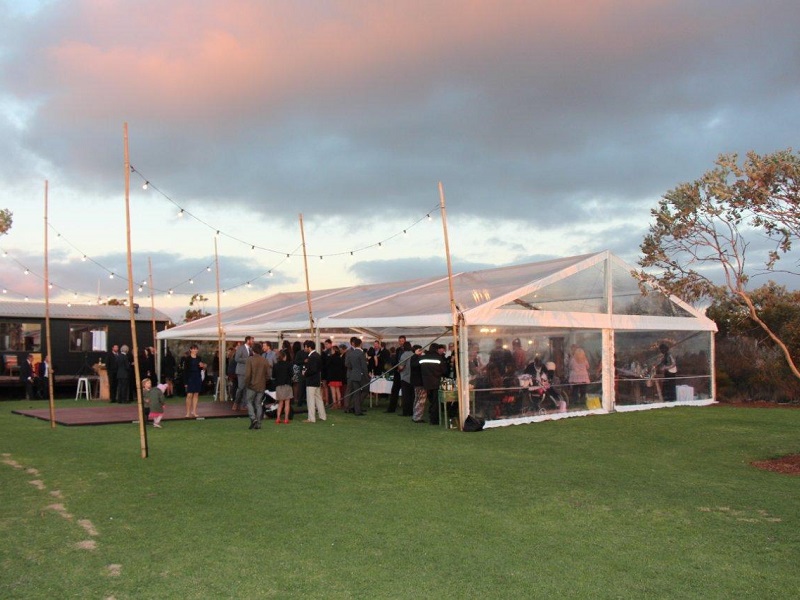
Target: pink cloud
(186,59)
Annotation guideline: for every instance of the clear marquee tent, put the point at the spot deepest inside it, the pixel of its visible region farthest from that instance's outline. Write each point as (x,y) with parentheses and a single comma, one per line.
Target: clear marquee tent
(538,312)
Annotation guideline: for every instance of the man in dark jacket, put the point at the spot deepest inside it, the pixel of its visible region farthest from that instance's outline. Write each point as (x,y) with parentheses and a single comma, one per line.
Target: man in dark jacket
(26,376)
(355,361)
(433,369)
(312,372)
(123,368)
(396,381)
(257,372)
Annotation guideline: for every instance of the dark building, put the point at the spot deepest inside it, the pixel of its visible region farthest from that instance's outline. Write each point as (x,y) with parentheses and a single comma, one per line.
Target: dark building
(80,334)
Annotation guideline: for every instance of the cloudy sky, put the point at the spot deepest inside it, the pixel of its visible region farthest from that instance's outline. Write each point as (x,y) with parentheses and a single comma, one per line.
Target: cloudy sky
(553,126)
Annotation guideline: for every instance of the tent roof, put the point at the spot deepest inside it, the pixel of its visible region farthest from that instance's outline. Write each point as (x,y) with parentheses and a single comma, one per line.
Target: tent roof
(561,292)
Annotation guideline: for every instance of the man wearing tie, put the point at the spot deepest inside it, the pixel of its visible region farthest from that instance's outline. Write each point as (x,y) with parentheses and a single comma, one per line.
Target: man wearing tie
(43,378)
(243,352)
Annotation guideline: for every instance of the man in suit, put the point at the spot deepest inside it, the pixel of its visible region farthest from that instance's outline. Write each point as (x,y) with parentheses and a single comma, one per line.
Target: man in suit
(312,372)
(355,361)
(240,357)
(111,371)
(26,376)
(256,374)
(396,382)
(43,378)
(123,369)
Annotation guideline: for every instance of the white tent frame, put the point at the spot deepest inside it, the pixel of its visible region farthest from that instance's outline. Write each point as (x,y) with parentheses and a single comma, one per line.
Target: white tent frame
(337,312)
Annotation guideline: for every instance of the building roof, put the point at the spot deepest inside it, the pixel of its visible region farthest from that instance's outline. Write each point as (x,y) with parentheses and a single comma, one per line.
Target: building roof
(591,291)
(95,312)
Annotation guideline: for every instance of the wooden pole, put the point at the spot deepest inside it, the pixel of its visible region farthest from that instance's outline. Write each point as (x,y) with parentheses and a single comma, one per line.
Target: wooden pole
(152,304)
(463,398)
(156,353)
(48,351)
(221,387)
(305,267)
(134,342)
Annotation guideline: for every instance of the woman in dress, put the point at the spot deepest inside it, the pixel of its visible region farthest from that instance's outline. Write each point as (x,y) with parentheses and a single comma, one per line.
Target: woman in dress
(194,380)
(282,375)
(336,375)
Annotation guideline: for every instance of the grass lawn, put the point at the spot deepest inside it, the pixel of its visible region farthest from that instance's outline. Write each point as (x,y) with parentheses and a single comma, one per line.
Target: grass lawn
(658,504)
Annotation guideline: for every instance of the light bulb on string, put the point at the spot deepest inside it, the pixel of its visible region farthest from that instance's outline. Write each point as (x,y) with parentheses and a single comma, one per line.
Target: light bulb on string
(5,291)
(288,257)
(405,232)
(26,298)
(429,217)
(180,213)
(145,184)
(252,248)
(111,276)
(5,253)
(83,258)
(270,274)
(140,288)
(191,282)
(27,272)
(248,284)
(170,292)
(208,269)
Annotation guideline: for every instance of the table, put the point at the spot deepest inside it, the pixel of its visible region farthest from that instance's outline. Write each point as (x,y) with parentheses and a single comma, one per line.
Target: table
(446,397)
(378,386)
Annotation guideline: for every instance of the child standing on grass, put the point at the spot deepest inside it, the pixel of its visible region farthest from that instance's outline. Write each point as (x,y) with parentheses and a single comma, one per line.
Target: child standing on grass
(153,400)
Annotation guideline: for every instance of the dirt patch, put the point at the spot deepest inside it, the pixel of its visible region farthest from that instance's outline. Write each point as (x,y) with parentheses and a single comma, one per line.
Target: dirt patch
(86,545)
(38,484)
(87,525)
(114,570)
(788,465)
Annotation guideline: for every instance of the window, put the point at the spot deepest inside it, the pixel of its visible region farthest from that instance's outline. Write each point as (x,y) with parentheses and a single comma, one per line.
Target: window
(88,338)
(20,337)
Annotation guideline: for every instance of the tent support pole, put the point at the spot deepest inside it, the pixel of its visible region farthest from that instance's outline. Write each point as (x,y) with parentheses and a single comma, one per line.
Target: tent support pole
(463,409)
(221,387)
(305,268)
(134,340)
(47,317)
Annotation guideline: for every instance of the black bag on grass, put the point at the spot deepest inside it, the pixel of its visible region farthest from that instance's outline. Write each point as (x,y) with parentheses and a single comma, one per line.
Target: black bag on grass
(473,423)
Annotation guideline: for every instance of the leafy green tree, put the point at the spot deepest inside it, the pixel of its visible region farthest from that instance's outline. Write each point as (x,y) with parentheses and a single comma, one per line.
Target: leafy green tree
(697,246)
(5,220)
(197,313)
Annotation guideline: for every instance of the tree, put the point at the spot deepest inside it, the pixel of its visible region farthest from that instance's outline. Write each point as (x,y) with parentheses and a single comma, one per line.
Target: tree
(197,313)
(701,233)
(5,220)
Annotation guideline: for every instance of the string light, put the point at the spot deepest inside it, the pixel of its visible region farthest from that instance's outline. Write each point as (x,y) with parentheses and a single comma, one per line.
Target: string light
(180,213)
(145,184)
(27,272)
(191,282)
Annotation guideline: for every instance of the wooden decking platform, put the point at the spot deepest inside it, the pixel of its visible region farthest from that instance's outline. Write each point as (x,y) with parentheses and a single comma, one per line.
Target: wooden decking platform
(108,414)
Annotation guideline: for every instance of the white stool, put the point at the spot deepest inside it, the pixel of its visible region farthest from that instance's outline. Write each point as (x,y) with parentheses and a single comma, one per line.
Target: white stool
(83,388)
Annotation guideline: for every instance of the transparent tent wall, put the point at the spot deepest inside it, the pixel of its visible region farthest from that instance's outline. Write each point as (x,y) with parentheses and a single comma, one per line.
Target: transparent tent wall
(522,372)
(510,377)
(638,379)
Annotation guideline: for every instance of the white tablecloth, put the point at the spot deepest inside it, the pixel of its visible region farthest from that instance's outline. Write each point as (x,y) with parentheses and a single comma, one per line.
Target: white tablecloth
(380,385)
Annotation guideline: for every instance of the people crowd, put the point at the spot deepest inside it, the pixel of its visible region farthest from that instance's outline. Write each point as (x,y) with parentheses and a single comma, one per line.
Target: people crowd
(279,381)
